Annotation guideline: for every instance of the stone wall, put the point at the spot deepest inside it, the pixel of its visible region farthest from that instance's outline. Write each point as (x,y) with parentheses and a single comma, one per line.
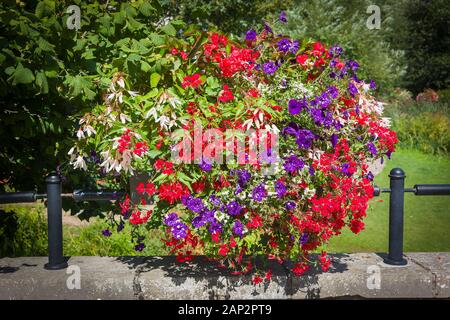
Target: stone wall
(361,275)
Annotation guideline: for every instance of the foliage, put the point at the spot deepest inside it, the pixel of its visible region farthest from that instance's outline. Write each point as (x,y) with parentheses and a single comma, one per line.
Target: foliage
(424,126)
(344,23)
(50,73)
(23,232)
(331,128)
(422,32)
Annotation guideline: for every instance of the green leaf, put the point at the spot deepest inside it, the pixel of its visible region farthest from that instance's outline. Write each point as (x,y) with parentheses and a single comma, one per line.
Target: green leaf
(169,30)
(146,8)
(157,39)
(41,82)
(154,79)
(145,66)
(22,75)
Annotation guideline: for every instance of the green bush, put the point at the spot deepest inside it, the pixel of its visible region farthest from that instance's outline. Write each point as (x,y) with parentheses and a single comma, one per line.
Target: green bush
(421,125)
(23,232)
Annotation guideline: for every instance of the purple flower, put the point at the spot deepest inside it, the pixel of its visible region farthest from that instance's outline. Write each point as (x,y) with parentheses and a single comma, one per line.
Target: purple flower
(171,219)
(294,47)
(304,238)
(139,247)
(215,200)
(120,226)
(179,230)
(353,65)
(305,138)
(372,85)
(333,91)
(352,89)
(259,192)
(284,45)
(198,221)
(234,208)
(296,106)
(344,169)
(280,189)
(293,163)
(215,227)
(334,140)
(243,177)
(106,233)
(372,148)
(250,35)
(370,176)
(311,170)
(335,51)
(290,205)
(205,166)
(269,67)
(195,204)
(283,17)
(238,228)
(267,27)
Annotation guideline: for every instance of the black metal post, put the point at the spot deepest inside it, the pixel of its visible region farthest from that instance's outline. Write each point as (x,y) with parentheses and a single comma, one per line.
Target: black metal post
(396,206)
(56,260)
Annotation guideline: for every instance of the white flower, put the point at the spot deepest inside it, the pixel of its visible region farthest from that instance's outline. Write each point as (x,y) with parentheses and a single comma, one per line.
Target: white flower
(80,163)
(80,134)
(71,151)
(124,118)
(89,130)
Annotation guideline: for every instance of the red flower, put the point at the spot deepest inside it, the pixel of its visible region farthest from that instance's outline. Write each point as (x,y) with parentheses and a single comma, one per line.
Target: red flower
(300,268)
(172,192)
(324,261)
(149,189)
(356,226)
(226,94)
(232,242)
(183,55)
(302,59)
(138,218)
(174,51)
(215,237)
(191,81)
(269,274)
(256,280)
(223,250)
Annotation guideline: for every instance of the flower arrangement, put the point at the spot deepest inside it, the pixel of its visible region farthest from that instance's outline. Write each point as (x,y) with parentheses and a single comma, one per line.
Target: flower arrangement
(302,100)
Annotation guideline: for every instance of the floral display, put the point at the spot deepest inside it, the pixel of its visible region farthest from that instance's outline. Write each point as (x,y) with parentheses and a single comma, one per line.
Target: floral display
(300,98)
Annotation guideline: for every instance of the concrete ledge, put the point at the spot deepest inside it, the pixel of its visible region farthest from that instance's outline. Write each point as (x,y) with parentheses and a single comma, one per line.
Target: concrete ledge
(361,275)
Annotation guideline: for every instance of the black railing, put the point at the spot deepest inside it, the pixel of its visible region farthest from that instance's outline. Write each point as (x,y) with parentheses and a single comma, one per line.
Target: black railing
(54,197)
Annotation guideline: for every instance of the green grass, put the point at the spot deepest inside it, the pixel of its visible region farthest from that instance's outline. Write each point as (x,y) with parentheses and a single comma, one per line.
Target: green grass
(427,218)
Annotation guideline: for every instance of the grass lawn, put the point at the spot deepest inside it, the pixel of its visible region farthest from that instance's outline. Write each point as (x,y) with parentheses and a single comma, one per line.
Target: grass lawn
(427,218)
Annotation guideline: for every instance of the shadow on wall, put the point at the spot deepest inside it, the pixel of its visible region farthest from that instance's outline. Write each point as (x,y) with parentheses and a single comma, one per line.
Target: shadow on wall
(201,270)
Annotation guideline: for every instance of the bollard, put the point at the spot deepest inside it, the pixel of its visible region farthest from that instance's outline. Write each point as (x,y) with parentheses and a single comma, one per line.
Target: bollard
(396,206)
(56,259)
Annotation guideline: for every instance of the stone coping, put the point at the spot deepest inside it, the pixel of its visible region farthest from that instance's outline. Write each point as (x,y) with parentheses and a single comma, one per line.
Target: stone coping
(352,276)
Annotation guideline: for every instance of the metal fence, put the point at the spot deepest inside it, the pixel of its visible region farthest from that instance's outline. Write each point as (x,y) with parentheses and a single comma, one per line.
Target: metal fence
(56,259)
